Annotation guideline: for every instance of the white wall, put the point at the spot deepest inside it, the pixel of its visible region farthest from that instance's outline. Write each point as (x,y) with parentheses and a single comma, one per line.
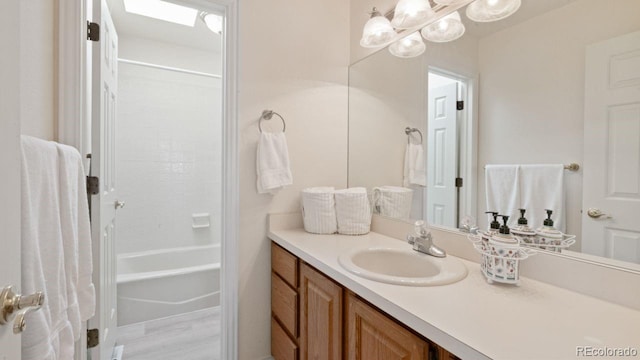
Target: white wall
(169,147)
(532,90)
(293,59)
(38,40)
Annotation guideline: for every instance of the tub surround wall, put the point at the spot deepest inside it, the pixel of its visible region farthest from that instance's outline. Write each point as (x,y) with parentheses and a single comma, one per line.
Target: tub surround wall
(168,147)
(293,59)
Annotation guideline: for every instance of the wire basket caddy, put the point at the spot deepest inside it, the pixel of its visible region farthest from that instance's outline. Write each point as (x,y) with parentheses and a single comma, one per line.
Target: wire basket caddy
(500,264)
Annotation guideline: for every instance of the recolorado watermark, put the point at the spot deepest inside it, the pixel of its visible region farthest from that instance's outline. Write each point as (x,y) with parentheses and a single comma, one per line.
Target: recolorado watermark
(592,351)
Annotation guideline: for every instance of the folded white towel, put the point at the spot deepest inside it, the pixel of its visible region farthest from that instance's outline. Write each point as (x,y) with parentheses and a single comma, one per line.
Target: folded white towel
(353,211)
(502,191)
(272,163)
(414,166)
(76,232)
(319,210)
(542,187)
(393,201)
(49,335)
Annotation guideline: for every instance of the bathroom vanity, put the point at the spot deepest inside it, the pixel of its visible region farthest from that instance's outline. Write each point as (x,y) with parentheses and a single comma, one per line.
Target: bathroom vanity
(319,309)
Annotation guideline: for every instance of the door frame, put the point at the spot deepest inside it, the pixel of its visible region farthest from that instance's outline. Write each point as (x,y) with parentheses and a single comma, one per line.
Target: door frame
(74,129)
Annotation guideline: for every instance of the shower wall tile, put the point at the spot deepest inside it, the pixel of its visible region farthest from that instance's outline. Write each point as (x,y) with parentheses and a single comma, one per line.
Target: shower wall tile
(168,158)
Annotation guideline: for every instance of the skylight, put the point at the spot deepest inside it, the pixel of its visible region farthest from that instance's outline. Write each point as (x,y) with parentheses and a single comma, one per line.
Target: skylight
(162,10)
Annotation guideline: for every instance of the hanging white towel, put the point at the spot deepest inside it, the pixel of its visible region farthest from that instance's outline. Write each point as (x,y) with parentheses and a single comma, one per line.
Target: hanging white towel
(393,201)
(502,190)
(49,335)
(414,166)
(319,210)
(76,232)
(353,211)
(272,163)
(541,188)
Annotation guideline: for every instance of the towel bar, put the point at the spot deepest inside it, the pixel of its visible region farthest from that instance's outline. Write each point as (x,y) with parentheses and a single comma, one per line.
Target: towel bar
(409,130)
(571,167)
(267,115)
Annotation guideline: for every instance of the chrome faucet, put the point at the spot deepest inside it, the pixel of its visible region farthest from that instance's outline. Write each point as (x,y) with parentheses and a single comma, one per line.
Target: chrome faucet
(423,242)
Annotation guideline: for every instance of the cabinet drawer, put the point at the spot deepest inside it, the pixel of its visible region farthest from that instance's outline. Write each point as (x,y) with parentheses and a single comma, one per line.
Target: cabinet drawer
(282,347)
(284,304)
(284,264)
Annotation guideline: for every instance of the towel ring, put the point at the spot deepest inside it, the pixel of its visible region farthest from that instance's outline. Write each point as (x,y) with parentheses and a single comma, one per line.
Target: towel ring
(409,130)
(267,115)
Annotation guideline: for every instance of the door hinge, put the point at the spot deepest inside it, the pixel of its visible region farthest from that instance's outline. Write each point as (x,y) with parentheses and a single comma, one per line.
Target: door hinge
(93,185)
(458,182)
(460,105)
(93,338)
(93,31)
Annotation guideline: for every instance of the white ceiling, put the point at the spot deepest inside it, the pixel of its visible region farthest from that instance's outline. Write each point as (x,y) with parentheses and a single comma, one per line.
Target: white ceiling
(529,9)
(199,36)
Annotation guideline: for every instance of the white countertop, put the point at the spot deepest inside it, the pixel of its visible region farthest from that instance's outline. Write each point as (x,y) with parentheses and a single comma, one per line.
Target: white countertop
(471,318)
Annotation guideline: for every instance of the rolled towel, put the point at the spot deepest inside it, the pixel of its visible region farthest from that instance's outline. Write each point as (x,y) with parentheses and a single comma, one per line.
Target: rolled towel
(393,201)
(319,211)
(353,211)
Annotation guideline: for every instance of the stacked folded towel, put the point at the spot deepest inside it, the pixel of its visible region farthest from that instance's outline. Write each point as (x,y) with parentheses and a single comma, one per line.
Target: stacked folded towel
(319,210)
(353,211)
(393,201)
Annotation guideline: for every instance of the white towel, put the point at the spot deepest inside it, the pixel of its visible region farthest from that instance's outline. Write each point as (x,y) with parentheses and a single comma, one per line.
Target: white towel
(502,190)
(49,334)
(541,188)
(414,166)
(319,210)
(272,163)
(353,211)
(76,232)
(393,201)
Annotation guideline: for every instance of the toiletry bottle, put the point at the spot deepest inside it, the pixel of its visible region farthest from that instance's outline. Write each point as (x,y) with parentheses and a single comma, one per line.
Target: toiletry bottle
(547,236)
(494,228)
(522,232)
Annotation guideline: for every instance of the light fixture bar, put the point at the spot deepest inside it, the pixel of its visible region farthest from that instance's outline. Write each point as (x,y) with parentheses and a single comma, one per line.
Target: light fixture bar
(440,10)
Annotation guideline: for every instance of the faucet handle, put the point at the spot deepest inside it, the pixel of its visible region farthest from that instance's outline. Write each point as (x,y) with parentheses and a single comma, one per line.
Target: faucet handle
(411,239)
(421,228)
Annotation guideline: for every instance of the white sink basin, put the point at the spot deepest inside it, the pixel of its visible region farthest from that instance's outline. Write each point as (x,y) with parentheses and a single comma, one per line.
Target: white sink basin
(403,267)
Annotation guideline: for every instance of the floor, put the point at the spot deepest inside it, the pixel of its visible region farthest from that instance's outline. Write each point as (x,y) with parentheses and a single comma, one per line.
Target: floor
(191,336)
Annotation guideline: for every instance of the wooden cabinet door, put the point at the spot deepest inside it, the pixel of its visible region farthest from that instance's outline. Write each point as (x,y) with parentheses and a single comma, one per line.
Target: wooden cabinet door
(320,316)
(371,335)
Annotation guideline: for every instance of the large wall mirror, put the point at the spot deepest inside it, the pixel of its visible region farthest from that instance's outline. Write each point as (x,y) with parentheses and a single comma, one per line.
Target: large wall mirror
(557,83)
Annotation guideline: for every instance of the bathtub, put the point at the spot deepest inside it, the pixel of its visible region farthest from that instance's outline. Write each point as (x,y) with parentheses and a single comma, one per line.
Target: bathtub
(160,283)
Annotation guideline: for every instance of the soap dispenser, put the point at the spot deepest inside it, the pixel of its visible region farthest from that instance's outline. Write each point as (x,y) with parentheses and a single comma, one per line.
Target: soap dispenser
(522,231)
(548,235)
(503,237)
(494,228)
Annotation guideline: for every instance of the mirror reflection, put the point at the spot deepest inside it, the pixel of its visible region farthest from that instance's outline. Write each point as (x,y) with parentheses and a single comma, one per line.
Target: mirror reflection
(556,84)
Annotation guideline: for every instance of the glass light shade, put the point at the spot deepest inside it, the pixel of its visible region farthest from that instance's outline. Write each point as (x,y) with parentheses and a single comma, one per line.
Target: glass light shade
(410,46)
(410,13)
(491,10)
(448,28)
(447,2)
(377,31)
(214,22)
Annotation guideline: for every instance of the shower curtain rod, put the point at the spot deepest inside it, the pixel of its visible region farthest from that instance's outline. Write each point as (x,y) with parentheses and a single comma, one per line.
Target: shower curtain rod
(155,66)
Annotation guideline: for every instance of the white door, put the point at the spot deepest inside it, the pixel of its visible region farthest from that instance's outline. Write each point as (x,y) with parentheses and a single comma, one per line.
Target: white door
(10,165)
(104,204)
(442,156)
(612,149)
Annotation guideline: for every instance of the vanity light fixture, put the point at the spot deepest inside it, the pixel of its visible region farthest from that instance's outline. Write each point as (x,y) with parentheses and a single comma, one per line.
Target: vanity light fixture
(491,10)
(213,21)
(408,47)
(377,31)
(448,28)
(410,13)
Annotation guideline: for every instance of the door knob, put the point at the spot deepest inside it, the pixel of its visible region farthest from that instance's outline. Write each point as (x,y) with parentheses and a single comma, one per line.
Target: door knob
(12,302)
(597,214)
(119,204)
